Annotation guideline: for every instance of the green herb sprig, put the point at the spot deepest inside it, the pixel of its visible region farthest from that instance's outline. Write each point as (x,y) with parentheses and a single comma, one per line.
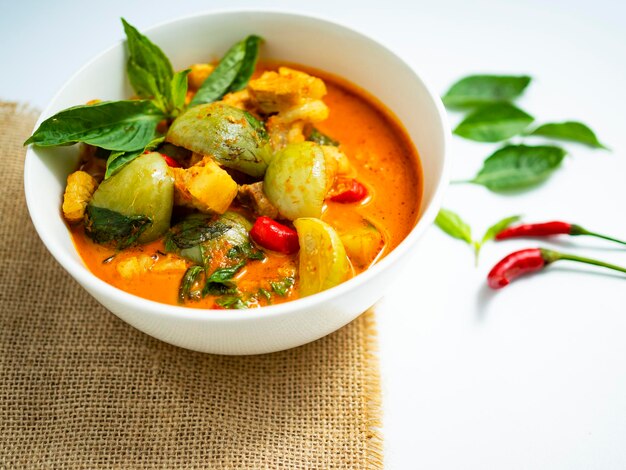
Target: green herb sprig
(452,224)
(128,128)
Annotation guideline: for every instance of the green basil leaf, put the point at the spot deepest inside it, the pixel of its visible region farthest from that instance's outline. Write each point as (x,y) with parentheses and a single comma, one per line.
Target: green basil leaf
(282,287)
(106,226)
(192,231)
(321,139)
(112,125)
(494,123)
(231,302)
(570,130)
(149,70)
(452,224)
(245,251)
(179,90)
(518,167)
(257,126)
(117,160)
(478,90)
(219,282)
(223,275)
(248,64)
(498,227)
(189,279)
(232,70)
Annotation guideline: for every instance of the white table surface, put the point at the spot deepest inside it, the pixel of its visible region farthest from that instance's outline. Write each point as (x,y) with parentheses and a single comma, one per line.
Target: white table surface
(531,377)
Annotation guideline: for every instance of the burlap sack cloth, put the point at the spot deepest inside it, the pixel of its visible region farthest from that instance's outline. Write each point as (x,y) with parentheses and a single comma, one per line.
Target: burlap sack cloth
(81,389)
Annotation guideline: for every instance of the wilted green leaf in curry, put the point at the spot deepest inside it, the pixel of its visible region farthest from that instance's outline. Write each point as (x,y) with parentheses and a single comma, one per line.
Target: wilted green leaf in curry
(519,167)
(282,287)
(117,160)
(106,226)
(112,125)
(245,251)
(199,237)
(232,73)
(190,277)
(194,230)
(479,90)
(226,133)
(494,123)
(232,302)
(142,188)
(571,130)
(322,139)
(452,224)
(219,282)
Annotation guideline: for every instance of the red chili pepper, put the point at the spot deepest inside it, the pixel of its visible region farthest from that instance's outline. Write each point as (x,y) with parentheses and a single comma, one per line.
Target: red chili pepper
(546,229)
(274,236)
(531,260)
(347,191)
(170,161)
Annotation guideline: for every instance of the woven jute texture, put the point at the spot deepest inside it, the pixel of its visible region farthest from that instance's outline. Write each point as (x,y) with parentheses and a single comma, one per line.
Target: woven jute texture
(81,389)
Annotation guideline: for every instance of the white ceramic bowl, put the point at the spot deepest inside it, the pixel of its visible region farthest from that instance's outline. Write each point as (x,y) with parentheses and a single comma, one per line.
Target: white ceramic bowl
(290,37)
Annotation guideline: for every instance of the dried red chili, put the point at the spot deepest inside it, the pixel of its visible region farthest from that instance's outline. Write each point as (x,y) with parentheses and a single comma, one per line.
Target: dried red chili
(531,260)
(270,234)
(546,229)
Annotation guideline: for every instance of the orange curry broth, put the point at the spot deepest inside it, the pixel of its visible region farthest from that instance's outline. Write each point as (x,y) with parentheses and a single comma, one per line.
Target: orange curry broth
(384,159)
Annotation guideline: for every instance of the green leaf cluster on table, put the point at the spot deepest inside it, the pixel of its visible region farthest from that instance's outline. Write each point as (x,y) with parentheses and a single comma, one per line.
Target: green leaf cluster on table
(452,224)
(492,117)
(128,128)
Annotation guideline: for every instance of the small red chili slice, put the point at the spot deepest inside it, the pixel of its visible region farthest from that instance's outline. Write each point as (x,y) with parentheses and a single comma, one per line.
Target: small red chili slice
(170,161)
(347,191)
(274,236)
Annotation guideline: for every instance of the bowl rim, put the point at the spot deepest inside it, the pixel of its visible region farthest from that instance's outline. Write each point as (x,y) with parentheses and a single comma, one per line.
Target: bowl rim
(85,277)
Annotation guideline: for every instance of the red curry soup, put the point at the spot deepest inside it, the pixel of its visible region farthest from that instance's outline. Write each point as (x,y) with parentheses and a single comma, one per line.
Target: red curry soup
(286,185)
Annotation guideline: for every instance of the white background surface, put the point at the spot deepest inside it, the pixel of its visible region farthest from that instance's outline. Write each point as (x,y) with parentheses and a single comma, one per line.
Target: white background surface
(530,377)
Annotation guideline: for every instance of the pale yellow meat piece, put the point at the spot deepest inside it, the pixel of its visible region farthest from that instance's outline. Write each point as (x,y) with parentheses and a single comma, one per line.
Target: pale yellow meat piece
(278,91)
(134,266)
(169,262)
(204,186)
(239,99)
(80,187)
